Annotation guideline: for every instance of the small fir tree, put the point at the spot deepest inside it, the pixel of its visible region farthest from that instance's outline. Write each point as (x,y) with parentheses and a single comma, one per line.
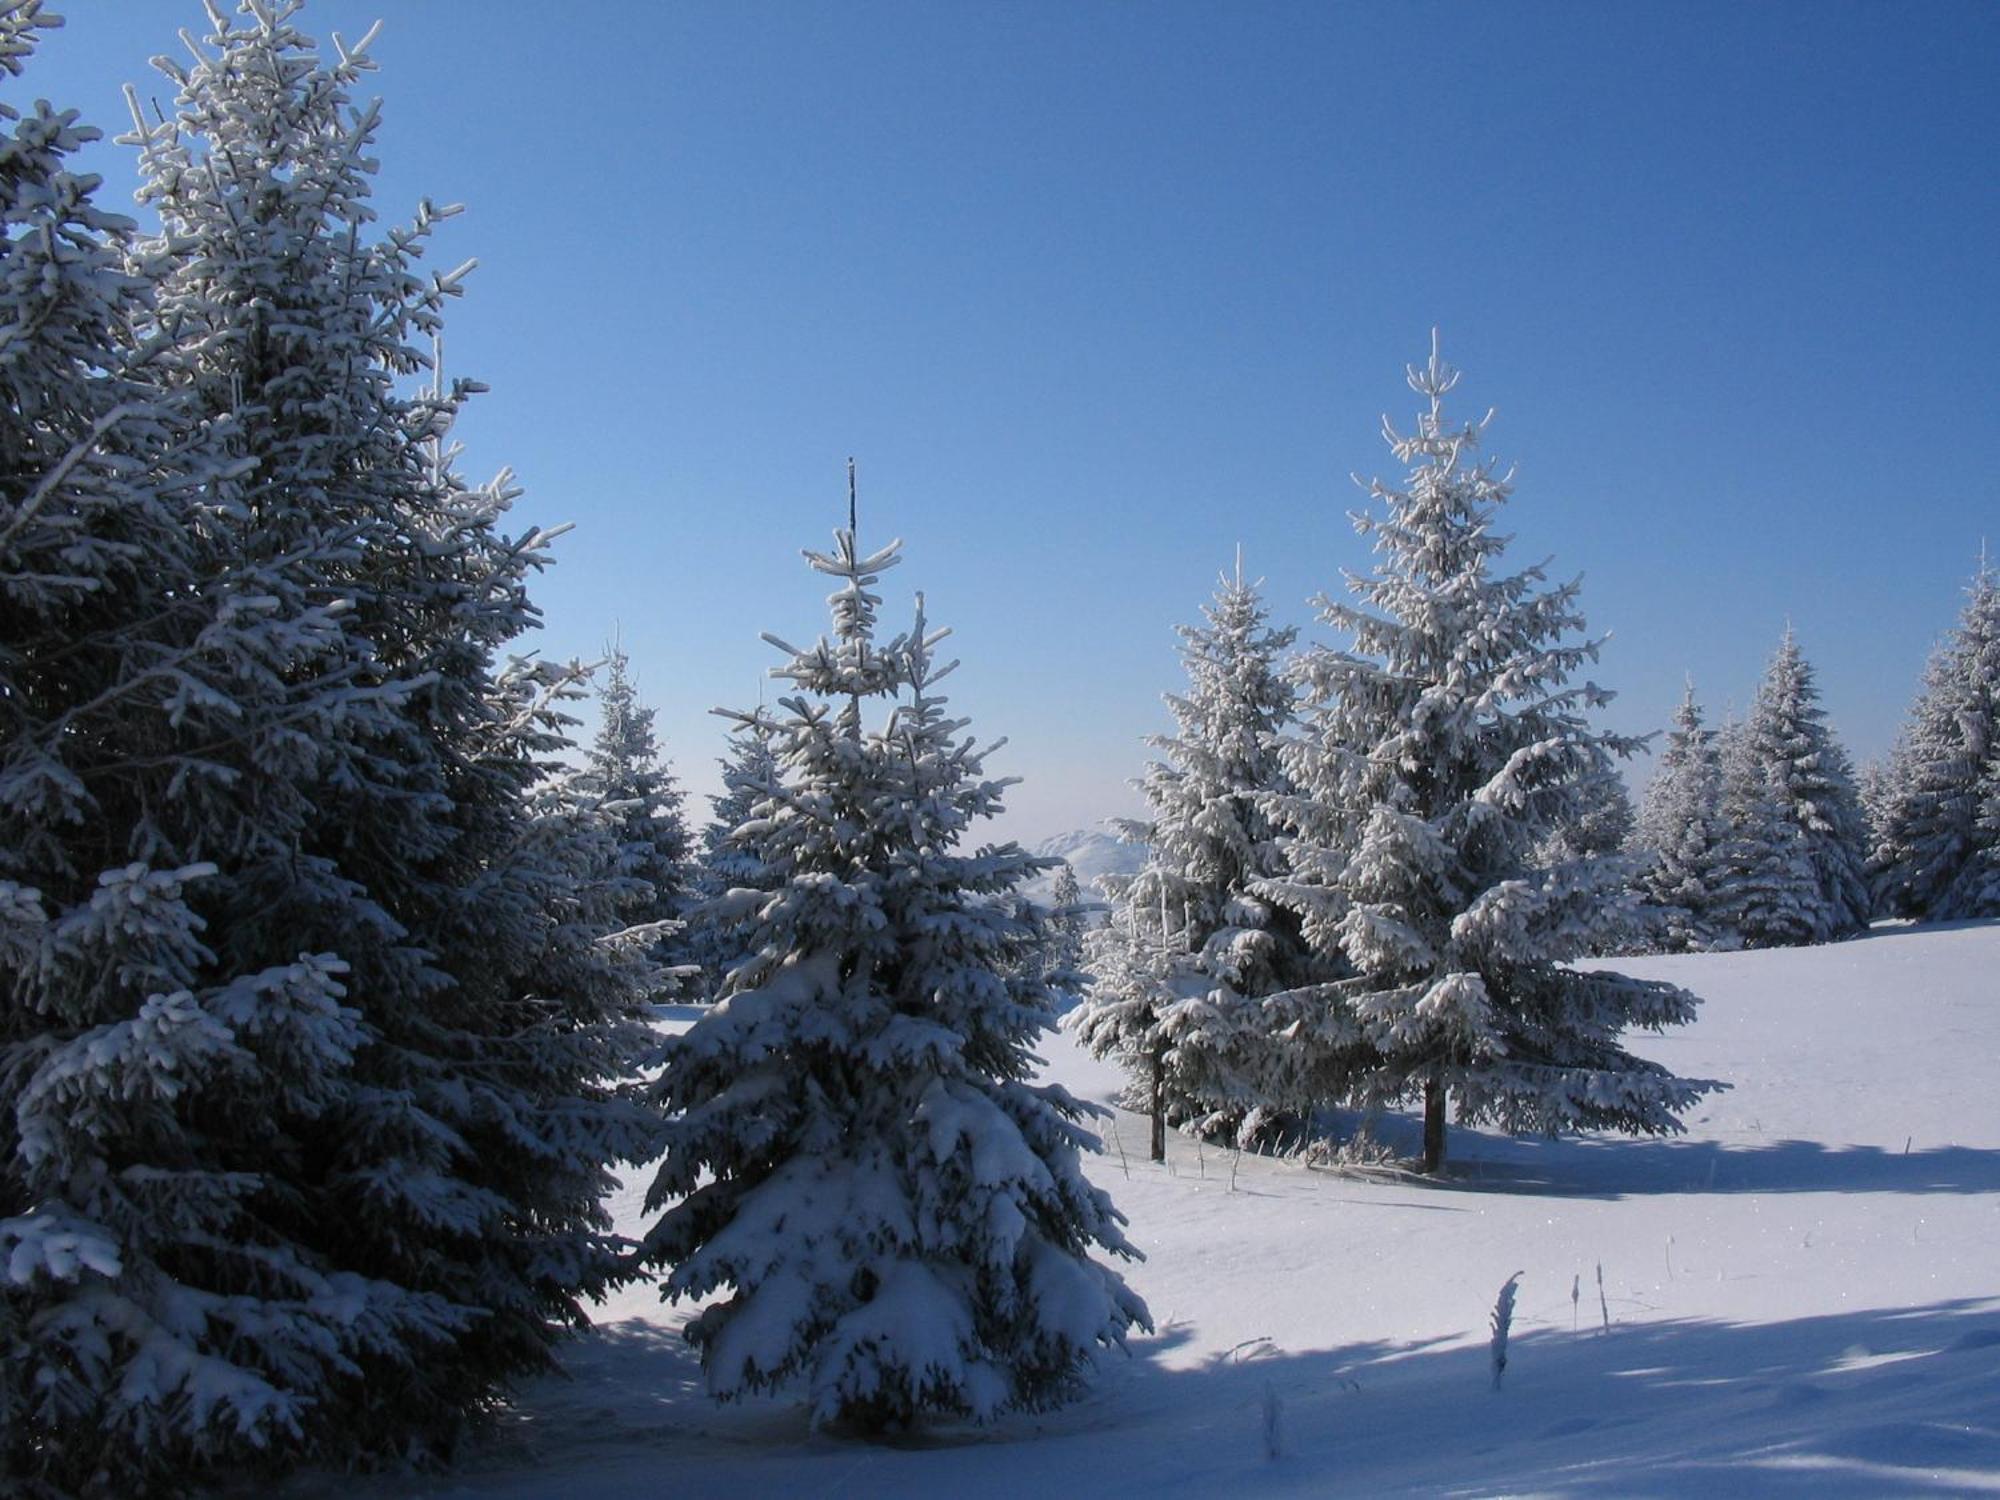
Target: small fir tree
(857,1164)
(1796,828)
(1874,790)
(1134,974)
(1979,887)
(1193,949)
(1437,757)
(641,804)
(1932,855)
(731,858)
(1602,824)
(1679,836)
(1063,959)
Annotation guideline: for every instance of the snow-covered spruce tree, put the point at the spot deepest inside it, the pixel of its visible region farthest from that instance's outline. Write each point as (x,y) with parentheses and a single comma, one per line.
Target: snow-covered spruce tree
(1798,840)
(1930,853)
(1679,835)
(1133,973)
(1188,927)
(1979,886)
(156,1314)
(1061,958)
(1437,755)
(893,1215)
(1764,891)
(730,856)
(1873,790)
(338,790)
(1602,823)
(641,802)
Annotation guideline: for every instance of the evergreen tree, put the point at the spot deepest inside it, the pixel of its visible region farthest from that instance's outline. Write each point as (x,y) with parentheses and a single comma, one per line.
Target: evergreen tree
(1797,839)
(156,1316)
(1874,790)
(1134,973)
(731,859)
(1765,890)
(1192,949)
(857,1163)
(1602,823)
(641,803)
(1437,756)
(1062,958)
(289,860)
(1932,857)
(1979,887)
(1679,835)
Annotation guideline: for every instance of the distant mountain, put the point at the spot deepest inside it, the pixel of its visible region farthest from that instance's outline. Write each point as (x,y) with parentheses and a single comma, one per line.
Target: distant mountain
(1092,852)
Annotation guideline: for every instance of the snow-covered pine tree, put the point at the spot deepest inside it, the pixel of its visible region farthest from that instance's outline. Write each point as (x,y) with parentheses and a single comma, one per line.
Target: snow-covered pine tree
(1435,758)
(730,858)
(891,1212)
(345,908)
(1133,972)
(1679,834)
(1873,790)
(1191,949)
(1062,958)
(1979,886)
(1931,855)
(1602,824)
(1765,892)
(1797,840)
(156,1315)
(749,782)
(641,803)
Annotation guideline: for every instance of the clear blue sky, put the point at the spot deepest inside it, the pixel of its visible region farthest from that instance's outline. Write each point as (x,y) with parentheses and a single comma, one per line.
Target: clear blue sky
(1097,291)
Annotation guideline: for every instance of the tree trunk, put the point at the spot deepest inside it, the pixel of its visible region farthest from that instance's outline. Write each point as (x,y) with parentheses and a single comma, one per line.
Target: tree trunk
(1159,1143)
(1434,1097)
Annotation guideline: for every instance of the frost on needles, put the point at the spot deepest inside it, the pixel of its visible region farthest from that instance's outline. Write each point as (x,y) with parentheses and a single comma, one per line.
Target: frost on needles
(310,1014)
(1434,760)
(1796,849)
(1936,852)
(892,1214)
(1182,970)
(1682,842)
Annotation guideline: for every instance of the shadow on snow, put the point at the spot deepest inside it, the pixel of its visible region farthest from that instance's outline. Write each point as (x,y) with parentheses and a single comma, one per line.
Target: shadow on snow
(1865,1403)
(1618,1167)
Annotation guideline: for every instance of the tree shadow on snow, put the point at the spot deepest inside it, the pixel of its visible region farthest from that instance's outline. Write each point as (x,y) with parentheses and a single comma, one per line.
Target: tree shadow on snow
(1903,1401)
(1890,1401)
(1608,1168)
(1620,1169)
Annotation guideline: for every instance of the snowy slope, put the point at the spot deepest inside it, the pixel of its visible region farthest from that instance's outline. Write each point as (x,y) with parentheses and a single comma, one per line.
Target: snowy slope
(1803,1296)
(1093,852)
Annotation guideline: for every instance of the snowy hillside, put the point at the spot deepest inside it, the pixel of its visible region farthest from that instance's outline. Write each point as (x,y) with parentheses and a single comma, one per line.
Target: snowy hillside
(1802,1296)
(1092,853)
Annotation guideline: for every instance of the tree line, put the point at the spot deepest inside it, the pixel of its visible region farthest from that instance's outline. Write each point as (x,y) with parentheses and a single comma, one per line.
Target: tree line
(1364,867)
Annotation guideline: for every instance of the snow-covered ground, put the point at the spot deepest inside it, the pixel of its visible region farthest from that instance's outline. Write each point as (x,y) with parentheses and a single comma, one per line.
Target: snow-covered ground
(1803,1296)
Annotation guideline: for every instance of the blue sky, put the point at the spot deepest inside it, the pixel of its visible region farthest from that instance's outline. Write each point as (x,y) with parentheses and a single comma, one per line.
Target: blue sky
(1095,292)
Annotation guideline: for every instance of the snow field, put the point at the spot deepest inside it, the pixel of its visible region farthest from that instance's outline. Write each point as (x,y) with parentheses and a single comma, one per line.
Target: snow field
(1798,1304)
